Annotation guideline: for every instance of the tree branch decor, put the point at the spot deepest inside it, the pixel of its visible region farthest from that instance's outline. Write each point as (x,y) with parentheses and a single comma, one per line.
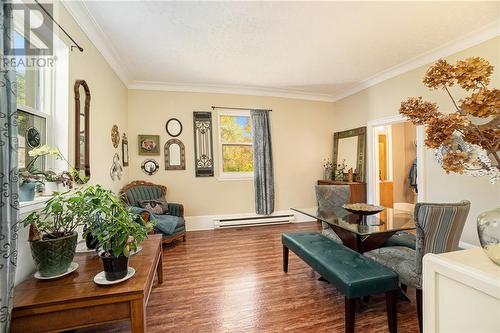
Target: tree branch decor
(467,140)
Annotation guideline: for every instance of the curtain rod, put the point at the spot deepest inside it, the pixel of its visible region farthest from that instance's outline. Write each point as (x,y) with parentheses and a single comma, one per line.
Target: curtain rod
(233,108)
(53,20)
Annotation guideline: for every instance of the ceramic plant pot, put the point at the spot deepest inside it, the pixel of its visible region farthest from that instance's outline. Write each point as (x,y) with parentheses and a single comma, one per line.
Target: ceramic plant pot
(27,191)
(114,268)
(53,256)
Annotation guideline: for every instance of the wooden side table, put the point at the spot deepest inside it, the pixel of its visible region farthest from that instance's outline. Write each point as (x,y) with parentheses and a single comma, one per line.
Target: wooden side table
(75,301)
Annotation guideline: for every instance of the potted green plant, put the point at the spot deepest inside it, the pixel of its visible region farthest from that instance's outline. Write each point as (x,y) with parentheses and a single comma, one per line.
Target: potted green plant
(53,232)
(115,229)
(30,176)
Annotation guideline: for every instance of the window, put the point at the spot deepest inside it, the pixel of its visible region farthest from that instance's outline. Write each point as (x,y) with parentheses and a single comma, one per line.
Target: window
(42,101)
(235,145)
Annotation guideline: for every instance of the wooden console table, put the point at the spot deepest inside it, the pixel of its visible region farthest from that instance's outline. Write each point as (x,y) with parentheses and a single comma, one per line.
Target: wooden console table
(75,301)
(358,189)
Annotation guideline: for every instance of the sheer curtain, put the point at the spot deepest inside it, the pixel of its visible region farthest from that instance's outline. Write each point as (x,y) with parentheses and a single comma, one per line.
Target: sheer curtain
(9,204)
(262,162)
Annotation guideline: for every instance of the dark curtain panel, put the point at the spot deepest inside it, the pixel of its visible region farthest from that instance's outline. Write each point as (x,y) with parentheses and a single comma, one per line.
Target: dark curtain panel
(263,163)
(9,203)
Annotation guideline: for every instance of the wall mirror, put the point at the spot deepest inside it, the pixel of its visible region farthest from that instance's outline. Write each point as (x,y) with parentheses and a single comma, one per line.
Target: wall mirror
(150,167)
(175,155)
(82,127)
(349,151)
(174,127)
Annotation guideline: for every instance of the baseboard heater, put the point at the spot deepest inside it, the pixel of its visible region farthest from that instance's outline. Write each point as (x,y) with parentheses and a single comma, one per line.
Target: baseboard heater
(253,221)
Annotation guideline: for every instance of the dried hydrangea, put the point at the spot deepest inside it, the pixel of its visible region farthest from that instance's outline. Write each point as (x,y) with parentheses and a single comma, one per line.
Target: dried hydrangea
(418,111)
(473,72)
(483,103)
(454,161)
(486,137)
(440,129)
(439,75)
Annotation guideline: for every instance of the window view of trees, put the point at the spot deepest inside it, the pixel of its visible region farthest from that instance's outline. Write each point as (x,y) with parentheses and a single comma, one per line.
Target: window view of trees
(236,140)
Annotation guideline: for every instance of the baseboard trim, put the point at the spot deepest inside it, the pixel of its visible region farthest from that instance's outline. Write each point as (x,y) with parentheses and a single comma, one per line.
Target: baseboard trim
(206,222)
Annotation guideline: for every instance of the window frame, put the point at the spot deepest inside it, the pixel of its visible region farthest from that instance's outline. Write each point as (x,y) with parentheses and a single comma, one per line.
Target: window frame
(222,175)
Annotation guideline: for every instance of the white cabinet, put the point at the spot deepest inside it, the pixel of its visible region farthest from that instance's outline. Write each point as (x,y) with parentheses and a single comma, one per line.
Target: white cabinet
(461,292)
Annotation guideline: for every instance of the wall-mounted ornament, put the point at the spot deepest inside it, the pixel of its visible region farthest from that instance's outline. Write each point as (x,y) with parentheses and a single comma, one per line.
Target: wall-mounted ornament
(203,146)
(115,136)
(150,167)
(174,127)
(149,144)
(125,150)
(116,169)
(175,155)
(33,137)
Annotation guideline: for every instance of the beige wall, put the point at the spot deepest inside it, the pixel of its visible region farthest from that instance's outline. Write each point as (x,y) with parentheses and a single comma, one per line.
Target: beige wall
(383,100)
(302,134)
(108,103)
(403,153)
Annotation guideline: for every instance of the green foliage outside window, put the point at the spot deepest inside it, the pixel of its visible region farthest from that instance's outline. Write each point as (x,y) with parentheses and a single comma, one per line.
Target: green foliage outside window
(236,137)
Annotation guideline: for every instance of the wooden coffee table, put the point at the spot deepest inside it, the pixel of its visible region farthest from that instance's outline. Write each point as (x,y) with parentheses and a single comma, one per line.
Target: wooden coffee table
(75,301)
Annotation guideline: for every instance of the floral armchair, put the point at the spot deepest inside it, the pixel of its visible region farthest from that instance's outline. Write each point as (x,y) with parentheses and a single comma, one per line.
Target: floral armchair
(171,224)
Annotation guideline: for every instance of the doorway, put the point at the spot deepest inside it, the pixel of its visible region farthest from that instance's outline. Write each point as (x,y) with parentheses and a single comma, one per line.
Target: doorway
(394,146)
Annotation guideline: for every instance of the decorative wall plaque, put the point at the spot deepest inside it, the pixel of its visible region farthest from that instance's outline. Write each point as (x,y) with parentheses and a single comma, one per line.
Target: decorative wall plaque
(125,150)
(116,168)
(175,155)
(203,146)
(150,167)
(115,136)
(149,144)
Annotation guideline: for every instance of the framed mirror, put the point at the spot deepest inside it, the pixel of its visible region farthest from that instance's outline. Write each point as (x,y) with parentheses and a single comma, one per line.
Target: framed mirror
(349,151)
(82,127)
(125,150)
(175,155)
(150,167)
(174,127)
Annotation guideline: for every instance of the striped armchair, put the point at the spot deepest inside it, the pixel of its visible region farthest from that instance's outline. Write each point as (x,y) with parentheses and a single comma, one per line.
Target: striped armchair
(439,227)
(331,197)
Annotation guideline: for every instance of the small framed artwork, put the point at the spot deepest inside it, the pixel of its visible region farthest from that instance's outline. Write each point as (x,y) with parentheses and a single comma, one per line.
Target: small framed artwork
(149,144)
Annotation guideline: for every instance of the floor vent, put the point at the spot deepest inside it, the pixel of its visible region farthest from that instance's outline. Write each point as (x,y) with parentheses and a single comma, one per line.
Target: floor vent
(253,221)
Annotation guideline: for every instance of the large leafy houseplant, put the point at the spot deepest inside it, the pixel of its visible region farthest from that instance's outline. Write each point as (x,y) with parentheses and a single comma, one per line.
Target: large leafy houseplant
(116,231)
(53,232)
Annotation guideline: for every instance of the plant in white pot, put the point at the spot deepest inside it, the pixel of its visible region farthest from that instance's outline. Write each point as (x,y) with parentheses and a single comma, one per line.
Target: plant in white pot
(116,231)
(53,232)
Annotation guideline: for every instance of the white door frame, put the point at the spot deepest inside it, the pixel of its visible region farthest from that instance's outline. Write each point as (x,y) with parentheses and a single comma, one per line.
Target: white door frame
(372,183)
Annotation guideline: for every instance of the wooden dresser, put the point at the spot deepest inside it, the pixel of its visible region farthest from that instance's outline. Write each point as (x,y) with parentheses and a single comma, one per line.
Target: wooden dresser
(358,189)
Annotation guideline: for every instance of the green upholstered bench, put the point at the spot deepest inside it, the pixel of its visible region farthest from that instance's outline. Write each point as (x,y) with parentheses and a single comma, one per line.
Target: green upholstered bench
(352,273)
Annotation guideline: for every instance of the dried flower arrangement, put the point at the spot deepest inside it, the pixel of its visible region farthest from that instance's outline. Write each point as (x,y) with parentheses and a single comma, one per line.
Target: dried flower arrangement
(462,146)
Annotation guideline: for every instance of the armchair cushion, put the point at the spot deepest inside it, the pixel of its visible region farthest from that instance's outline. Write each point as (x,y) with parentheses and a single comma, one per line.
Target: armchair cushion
(156,206)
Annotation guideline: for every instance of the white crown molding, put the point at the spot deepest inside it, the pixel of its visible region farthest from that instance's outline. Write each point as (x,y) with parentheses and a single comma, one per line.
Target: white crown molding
(87,23)
(476,37)
(226,89)
(82,16)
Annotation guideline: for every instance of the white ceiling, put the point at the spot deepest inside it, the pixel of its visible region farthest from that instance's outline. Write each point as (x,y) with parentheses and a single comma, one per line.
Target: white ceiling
(322,49)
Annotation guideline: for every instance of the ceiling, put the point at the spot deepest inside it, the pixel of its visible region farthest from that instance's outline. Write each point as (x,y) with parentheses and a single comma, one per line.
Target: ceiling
(319,50)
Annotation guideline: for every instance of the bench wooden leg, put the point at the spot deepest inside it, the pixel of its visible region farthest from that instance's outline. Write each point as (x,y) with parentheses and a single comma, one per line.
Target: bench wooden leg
(350,314)
(392,315)
(285,259)
(419,308)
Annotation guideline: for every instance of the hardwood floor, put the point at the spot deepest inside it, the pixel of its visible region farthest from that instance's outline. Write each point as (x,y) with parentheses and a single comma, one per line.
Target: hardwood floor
(231,280)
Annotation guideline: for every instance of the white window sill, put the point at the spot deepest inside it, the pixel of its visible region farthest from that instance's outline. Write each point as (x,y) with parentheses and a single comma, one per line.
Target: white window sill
(30,206)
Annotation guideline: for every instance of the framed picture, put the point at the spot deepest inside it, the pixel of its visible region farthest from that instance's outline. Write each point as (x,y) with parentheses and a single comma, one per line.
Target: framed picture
(149,144)
(125,150)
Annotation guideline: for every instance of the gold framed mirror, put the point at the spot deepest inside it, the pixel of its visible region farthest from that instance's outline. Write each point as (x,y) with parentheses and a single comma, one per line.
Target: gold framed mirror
(82,127)
(349,151)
